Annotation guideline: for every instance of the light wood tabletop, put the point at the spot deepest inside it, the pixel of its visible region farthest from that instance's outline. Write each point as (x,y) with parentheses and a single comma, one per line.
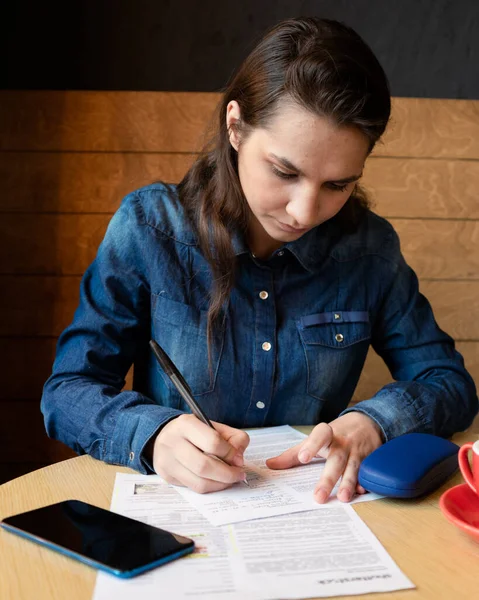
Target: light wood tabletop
(440,559)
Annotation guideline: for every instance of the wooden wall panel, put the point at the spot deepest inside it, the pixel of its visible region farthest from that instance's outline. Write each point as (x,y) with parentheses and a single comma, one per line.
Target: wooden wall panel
(71,182)
(455,305)
(175,122)
(75,182)
(50,244)
(423,188)
(104,121)
(432,128)
(440,249)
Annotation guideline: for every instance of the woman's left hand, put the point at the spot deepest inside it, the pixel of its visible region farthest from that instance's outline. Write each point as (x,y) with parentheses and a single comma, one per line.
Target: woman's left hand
(344,442)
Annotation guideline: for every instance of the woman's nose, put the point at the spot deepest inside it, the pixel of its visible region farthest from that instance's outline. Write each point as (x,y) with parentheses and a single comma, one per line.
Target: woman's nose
(304,209)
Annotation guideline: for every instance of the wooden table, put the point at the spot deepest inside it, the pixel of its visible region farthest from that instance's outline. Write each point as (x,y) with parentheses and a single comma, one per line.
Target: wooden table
(441,560)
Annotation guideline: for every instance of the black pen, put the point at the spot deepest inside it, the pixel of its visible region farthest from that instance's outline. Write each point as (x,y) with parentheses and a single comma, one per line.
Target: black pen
(180,384)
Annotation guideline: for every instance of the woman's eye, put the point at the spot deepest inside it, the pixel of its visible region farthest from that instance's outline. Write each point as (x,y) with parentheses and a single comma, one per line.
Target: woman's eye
(337,188)
(282,174)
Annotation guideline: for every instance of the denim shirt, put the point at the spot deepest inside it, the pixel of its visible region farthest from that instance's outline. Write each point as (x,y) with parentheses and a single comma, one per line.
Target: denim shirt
(295,335)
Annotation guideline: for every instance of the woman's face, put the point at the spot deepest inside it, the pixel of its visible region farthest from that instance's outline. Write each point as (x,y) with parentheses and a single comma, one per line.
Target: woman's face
(295,174)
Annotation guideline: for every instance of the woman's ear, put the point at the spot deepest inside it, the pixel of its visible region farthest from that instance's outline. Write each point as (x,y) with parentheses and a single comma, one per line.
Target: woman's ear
(233,117)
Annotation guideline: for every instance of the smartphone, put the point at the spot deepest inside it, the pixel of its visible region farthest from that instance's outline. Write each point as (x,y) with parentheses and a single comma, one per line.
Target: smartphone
(99,538)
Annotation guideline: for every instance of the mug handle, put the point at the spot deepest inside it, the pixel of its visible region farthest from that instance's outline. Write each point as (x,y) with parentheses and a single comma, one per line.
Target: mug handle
(463,458)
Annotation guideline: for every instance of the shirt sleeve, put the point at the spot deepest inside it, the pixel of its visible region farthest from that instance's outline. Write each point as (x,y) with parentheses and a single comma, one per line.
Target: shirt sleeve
(432,393)
(83,403)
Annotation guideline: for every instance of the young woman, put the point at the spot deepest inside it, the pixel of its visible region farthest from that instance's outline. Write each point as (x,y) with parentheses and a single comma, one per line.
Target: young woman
(266,278)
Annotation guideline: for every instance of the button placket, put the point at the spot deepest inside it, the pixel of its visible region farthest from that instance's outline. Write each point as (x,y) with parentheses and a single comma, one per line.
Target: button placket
(264,358)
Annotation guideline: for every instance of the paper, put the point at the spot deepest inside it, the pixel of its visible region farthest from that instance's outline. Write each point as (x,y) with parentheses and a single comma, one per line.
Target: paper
(206,573)
(311,554)
(270,493)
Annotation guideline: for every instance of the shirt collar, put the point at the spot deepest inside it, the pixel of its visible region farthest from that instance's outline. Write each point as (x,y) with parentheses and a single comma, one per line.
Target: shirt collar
(309,250)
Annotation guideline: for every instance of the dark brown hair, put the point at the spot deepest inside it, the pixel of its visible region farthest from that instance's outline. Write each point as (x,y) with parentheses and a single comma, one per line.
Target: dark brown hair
(323,66)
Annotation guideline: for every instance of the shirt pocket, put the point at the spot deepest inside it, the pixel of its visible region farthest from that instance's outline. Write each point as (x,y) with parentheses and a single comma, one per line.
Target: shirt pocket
(335,346)
(181,330)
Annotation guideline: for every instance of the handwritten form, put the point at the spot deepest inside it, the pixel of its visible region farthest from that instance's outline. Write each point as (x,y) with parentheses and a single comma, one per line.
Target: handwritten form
(318,553)
(270,493)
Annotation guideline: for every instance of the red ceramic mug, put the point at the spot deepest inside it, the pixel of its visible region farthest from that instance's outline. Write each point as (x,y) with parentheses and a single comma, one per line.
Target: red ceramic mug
(471,475)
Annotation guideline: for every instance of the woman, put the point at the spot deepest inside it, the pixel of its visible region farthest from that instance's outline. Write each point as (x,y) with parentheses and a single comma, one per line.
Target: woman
(265,278)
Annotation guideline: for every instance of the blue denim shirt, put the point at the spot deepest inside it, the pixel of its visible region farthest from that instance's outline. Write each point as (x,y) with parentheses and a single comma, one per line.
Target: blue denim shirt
(296,333)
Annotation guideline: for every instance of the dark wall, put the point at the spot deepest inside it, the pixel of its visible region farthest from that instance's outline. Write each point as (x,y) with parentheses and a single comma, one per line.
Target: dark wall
(429,48)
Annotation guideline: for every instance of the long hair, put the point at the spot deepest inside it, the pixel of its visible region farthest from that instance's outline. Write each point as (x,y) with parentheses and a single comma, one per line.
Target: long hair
(323,66)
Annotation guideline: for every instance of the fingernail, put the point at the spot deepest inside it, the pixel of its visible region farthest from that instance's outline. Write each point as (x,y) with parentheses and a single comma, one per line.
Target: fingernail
(321,496)
(344,495)
(238,460)
(304,456)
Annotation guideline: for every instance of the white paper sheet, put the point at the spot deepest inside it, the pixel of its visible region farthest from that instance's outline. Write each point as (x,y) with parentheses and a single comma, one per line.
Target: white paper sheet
(270,493)
(317,553)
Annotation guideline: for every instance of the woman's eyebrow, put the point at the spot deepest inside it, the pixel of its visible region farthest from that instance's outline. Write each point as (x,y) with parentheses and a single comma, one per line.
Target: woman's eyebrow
(289,165)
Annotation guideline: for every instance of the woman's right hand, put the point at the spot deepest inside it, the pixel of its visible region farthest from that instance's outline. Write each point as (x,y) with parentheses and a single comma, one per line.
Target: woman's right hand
(186,453)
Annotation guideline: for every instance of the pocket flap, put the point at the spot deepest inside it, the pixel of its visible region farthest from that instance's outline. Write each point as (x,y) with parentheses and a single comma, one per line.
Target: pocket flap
(337,329)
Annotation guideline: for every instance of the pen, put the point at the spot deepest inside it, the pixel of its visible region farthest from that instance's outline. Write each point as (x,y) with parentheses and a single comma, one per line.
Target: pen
(180,384)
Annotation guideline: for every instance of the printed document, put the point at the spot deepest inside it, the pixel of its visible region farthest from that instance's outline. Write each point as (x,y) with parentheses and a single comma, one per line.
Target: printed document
(270,493)
(319,553)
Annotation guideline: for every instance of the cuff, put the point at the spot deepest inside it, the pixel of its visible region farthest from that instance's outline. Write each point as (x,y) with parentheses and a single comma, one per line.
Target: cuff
(135,427)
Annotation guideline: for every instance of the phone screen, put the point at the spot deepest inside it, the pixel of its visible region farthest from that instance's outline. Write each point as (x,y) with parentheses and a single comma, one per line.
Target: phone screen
(99,537)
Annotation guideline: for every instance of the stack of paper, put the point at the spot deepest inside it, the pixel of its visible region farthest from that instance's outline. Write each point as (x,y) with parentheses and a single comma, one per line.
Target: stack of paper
(267,542)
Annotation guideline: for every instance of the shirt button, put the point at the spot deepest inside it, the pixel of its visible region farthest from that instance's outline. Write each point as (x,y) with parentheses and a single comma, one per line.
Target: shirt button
(266,346)
(263,295)
(260,404)
(280,253)
(131,456)
(339,337)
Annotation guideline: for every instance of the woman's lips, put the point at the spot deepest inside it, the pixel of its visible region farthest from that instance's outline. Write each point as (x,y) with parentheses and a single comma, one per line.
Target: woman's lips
(290,229)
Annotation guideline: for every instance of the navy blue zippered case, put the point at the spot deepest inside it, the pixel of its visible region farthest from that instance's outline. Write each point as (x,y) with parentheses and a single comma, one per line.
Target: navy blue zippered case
(408,466)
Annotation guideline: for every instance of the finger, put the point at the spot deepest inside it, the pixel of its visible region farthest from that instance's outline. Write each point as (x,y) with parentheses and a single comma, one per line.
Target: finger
(206,467)
(317,443)
(184,477)
(349,480)
(360,489)
(210,441)
(237,438)
(333,469)
(289,458)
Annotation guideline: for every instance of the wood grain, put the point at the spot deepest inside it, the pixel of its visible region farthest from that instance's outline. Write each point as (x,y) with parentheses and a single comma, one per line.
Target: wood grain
(440,249)
(85,121)
(72,182)
(423,188)
(50,244)
(455,305)
(88,121)
(425,127)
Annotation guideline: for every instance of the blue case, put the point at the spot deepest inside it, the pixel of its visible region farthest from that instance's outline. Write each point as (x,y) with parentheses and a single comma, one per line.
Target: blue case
(408,466)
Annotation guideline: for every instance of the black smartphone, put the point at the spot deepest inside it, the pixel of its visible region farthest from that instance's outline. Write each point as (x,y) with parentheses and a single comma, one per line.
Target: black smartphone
(99,538)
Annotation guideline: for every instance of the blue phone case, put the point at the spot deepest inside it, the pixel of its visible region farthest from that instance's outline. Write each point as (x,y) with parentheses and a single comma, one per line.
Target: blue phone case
(409,466)
(92,563)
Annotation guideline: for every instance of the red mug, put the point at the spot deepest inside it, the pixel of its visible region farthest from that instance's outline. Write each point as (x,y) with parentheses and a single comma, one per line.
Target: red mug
(471,475)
